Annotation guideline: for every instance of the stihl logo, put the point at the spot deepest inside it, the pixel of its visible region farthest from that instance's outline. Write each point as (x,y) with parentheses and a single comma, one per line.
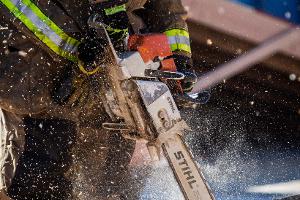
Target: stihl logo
(171,104)
(185,168)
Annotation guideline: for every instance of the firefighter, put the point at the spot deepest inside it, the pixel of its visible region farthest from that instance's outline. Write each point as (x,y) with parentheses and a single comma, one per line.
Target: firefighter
(46,62)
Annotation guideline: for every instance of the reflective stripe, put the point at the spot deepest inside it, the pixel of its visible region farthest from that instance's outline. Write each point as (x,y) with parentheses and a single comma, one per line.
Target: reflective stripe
(115,30)
(114,10)
(179,40)
(174,32)
(111,31)
(43,28)
(83,70)
(183,47)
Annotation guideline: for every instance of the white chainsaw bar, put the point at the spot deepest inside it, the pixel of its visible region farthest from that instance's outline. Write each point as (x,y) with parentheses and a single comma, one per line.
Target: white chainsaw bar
(187,173)
(166,118)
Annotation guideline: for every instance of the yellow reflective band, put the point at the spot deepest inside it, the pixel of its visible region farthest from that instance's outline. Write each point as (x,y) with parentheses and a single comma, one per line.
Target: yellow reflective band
(175,32)
(114,10)
(111,31)
(179,40)
(50,23)
(43,28)
(115,30)
(183,47)
(83,70)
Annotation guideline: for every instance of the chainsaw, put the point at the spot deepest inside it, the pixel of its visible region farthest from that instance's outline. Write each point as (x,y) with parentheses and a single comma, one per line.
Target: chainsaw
(141,106)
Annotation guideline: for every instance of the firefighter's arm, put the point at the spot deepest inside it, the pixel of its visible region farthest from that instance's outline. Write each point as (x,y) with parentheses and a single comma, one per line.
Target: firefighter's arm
(165,15)
(23,73)
(168,16)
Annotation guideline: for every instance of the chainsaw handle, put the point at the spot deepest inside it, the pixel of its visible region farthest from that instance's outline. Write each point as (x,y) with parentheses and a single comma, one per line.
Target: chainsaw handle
(185,100)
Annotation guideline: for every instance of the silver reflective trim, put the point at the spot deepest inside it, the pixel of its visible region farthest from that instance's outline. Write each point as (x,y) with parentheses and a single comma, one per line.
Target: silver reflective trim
(44,28)
(68,47)
(179,40)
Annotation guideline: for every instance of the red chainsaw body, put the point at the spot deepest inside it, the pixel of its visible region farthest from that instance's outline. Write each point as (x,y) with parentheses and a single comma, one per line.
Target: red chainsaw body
(151,47)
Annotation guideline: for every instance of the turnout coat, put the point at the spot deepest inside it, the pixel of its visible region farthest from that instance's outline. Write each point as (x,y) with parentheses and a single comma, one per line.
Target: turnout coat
(38,42)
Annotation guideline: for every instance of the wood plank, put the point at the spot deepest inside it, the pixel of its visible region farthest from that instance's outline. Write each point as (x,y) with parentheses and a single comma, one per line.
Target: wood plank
(240,21)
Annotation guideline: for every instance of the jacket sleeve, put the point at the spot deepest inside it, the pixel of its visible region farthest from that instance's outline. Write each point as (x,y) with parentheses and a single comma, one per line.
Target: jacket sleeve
(168,16)
(24,72)
(165,14)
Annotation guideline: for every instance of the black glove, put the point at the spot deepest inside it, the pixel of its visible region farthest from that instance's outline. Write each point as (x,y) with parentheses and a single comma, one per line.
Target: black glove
(72,87)
(91,53)
(80,95)
(114,17)
(184,65)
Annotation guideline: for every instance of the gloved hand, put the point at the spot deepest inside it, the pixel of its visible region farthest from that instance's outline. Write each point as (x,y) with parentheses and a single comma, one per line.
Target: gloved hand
(114,18)
(80,95)
(184,65)
(91,52)
(72,87)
